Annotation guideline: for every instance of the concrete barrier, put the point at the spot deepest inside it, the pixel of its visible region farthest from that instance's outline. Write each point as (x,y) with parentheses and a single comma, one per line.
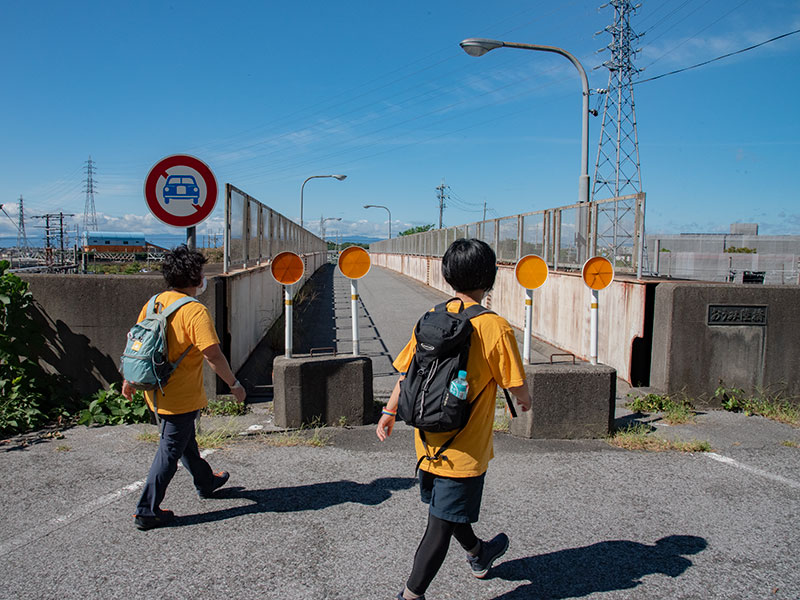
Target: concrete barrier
(737,336)
(569,402)
(323,389)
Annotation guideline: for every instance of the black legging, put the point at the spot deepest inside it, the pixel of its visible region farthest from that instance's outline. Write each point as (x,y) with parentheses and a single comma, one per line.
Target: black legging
(433,548)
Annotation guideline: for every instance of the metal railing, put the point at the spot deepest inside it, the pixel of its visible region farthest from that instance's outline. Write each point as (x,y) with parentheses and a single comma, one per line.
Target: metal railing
(254,232)
(564,237)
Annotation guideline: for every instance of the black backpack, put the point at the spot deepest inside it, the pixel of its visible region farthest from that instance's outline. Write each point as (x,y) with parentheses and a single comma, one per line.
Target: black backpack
(442,350)
(443,340)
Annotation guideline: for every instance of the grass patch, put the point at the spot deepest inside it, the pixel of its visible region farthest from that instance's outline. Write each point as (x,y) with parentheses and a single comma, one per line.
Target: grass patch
(149,437)
(673,411)
(63,448)
(215,438)
(639,437)
(226,407)
(774,407)
(790,444)
(314,435)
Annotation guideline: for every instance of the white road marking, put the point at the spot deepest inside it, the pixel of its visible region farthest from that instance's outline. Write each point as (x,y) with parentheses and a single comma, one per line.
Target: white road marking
(52,525)
(756,471)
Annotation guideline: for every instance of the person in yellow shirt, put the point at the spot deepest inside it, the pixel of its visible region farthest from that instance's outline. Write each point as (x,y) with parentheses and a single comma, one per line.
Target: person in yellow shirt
(452,486)
(183,395)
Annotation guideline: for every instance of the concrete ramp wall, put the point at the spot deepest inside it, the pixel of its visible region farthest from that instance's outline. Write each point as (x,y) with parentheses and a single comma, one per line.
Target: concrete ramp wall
(85,318)
(560,308)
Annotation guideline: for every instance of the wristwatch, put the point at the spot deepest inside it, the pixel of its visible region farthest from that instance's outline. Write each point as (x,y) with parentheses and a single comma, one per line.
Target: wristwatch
(236,384)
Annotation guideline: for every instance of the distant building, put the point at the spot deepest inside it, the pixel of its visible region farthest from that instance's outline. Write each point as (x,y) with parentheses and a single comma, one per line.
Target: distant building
(740,256)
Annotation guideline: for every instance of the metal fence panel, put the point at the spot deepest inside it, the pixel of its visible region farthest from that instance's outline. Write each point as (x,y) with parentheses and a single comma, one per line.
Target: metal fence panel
(564,236)
(508,239)
(255,233)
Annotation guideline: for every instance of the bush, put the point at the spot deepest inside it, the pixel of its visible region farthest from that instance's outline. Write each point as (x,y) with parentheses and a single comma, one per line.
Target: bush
(110,407)
(29,397)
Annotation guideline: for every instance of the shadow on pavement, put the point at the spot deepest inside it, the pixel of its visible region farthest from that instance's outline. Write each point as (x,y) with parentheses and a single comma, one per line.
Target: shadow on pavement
(601,567)
(315,496)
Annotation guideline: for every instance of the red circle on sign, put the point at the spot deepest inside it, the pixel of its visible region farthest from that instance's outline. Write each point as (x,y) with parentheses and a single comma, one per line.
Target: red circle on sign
(161,169)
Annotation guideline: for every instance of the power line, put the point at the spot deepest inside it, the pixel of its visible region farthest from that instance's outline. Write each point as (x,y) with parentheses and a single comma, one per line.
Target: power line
(735,8)
(729,54)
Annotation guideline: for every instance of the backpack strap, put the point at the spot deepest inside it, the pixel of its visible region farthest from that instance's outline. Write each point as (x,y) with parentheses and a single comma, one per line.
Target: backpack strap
(439,453)
(176,305)
(171,309)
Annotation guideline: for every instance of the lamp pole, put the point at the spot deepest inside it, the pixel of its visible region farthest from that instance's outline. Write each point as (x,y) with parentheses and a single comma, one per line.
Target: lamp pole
(480,46)
(322,225)
(387,210)
(338,177)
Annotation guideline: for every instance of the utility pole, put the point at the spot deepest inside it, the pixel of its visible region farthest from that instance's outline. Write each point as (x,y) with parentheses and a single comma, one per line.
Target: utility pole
(441,195)
(89,213)
(49,233)
(617,170)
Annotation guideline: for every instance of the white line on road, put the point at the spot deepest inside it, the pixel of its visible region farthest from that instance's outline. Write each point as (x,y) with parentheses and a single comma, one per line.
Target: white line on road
(53,524)
(738,465)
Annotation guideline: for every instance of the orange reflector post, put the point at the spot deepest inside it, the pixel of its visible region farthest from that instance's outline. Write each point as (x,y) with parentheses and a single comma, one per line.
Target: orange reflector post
(598,273)
(354,262)
(531,271)
(287,268)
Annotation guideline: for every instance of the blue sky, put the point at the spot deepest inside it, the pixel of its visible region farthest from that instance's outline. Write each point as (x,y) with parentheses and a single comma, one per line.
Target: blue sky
(268,94)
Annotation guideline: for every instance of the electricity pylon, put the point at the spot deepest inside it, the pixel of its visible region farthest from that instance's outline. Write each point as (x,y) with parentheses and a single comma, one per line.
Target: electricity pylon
(617,170)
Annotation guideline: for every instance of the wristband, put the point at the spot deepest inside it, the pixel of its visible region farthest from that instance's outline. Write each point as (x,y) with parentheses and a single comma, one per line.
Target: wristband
(236,384)
(389,413)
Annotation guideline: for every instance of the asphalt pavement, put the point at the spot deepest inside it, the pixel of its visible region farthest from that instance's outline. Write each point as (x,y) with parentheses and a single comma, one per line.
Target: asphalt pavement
(342,519)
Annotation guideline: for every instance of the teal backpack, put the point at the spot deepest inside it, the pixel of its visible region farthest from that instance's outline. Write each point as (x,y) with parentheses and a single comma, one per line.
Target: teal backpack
(145,363)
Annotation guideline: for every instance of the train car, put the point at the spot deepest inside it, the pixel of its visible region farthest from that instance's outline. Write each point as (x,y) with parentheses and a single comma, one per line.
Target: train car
(114,241)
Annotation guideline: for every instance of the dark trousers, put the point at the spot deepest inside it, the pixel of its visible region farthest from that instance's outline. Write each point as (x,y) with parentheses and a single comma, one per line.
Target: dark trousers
(177,442)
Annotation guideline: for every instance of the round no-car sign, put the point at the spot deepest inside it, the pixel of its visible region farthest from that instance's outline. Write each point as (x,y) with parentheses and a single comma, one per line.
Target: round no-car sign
(180,190)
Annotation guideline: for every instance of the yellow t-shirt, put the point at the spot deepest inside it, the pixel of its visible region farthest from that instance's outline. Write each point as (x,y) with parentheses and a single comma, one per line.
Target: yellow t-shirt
(190,324)
(493,359)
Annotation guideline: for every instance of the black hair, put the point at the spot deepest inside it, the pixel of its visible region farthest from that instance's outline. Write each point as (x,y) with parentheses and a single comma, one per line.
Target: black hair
(183,267)
(469,265)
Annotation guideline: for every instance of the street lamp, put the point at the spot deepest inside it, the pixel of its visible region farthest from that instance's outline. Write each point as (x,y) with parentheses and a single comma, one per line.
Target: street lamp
(339,177)
(387,210)
(322,225)
(480,46)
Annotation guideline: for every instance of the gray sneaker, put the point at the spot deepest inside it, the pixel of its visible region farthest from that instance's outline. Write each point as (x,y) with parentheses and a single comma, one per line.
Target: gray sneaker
(489,552)
(401,597)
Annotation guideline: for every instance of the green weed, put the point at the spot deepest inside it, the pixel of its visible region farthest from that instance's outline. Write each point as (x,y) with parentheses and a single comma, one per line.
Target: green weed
(770,406)
(673,411)
(110,407)
(225,408)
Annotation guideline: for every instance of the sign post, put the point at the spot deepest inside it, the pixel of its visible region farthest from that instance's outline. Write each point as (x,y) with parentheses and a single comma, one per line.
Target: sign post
(597,273)
(181,191)
(531,273)
(354,264)
(287,269)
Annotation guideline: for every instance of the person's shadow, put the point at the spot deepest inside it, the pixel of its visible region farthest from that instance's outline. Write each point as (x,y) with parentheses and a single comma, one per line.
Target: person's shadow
(601,567)
(315,496)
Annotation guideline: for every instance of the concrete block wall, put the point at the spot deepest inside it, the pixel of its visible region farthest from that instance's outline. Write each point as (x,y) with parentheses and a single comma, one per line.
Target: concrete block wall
(86,317)
(691,356)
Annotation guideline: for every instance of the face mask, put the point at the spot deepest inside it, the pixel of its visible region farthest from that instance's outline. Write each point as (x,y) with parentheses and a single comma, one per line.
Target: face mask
(202,287)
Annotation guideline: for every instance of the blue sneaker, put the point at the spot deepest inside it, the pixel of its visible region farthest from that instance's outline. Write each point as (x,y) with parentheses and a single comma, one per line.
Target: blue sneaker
(489,552)
(220,479)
